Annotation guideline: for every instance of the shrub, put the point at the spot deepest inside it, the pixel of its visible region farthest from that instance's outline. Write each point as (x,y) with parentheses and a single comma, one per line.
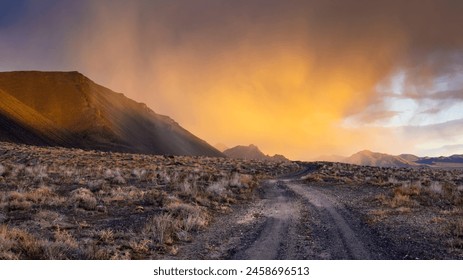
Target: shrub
(435,187)
(17,201)
(190,217)
(83,198)
(162,227)
(106,236)
(458,228)
(400,200)
(42,195)
(16,243)
(218,188)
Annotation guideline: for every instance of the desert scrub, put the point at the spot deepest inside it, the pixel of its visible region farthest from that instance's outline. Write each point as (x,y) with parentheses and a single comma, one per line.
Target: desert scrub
(83,198)
(106,236)
(218,190)
(16,243)
(37,173)
(80,204)
(25,200)
(2,169)
(140,248)
(456,235)
(188,188)
(189,217)
(125,194)
(404,196)
(457,228)
(154,197)
(45,196)
(17,201)
(161,228)
(63,246)
(435,193)
(114,176)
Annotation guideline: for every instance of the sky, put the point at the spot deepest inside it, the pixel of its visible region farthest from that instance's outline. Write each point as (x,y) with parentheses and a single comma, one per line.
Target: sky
(299,78)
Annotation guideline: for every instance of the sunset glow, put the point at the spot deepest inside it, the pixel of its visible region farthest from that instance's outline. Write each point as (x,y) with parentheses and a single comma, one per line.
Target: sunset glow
(299,78)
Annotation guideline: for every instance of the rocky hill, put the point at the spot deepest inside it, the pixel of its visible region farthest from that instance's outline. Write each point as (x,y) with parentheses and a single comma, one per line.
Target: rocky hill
(251,152)
(68,109)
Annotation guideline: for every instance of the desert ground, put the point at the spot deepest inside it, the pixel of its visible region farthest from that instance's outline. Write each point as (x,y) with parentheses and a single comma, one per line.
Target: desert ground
(58,203)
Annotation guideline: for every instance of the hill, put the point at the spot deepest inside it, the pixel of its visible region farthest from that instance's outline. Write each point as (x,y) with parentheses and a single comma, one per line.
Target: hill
(68,109)
(378,159)
(369,158)
(251,152)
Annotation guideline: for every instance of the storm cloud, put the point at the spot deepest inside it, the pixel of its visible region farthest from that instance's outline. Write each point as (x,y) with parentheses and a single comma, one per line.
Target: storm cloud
(284,75)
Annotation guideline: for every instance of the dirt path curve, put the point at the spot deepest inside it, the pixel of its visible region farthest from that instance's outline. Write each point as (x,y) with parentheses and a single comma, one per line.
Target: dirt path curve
(287,220)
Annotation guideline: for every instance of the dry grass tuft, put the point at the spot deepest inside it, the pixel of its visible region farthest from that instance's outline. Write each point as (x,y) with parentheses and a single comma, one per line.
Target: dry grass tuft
(106,236)
(19,244)
(162,227)
(426,201)
(83,198)
(17,201)
(2,169)
(190,217)
(457,228)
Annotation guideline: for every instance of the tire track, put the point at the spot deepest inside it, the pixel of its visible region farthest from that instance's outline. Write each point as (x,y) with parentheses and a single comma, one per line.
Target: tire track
(280,213)
(344,242)
(288,220)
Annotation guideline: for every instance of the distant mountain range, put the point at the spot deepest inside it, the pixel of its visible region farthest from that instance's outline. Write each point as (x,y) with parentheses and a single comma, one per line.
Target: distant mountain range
(378,159)
(68,109)
(251,152)
(404,160)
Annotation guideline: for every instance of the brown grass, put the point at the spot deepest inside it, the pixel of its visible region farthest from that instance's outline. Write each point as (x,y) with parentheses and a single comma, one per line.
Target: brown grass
(457,228)
(162,227)
(58,203)
(83,198)
(19,244)
(421,200)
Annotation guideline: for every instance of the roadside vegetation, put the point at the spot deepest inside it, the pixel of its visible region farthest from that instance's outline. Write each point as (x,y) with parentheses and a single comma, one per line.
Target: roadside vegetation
(417,206)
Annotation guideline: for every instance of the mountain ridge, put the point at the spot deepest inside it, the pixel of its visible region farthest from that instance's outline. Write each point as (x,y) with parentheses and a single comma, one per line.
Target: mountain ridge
(369,158)
(80,113)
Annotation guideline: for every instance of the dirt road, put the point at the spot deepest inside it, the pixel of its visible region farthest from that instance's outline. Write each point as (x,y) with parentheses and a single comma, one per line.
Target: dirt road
(288,220)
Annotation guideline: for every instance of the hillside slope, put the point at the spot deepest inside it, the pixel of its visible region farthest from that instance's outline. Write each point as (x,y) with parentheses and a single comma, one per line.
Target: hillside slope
(68,109)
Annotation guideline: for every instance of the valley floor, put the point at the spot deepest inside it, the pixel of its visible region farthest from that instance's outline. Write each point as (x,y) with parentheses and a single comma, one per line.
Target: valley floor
(298,219)
(58,203)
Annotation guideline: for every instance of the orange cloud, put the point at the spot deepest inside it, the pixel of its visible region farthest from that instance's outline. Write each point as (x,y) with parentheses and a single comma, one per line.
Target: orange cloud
(283,77)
